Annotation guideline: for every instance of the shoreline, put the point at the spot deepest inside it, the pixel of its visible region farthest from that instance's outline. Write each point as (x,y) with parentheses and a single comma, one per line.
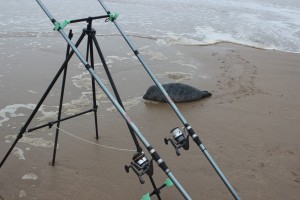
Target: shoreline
(167,40)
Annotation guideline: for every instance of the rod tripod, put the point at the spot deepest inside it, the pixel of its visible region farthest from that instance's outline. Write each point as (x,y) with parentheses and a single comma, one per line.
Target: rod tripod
(146,167)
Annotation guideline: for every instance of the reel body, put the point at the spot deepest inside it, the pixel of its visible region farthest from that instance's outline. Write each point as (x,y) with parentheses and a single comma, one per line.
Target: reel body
(140,165)
(179,139)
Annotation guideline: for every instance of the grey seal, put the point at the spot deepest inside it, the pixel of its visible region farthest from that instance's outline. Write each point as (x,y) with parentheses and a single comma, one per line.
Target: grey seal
(178,92)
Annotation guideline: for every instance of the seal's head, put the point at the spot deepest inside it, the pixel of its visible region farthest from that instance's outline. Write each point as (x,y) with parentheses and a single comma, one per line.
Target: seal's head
(206,94)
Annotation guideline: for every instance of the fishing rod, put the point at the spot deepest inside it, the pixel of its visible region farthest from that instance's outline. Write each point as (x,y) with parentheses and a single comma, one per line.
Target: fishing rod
(187,126)
(140,159)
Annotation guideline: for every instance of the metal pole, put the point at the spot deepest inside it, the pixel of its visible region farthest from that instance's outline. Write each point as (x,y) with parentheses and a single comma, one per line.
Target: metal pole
(114,88)
(151,150)
(174,107)
(89,51)
(61,102)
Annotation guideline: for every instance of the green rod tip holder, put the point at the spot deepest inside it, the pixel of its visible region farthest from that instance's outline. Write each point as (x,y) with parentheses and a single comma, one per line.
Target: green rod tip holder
(59,26)
(113,16)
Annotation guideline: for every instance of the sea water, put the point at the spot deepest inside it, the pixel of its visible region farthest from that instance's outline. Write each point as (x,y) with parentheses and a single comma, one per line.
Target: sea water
(267,24)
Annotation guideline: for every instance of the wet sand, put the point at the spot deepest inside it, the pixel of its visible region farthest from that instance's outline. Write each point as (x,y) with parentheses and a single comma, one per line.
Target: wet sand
(250,125)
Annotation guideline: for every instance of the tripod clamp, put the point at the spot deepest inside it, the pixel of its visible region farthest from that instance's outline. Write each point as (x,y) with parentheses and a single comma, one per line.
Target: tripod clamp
(140,166)
(178,140)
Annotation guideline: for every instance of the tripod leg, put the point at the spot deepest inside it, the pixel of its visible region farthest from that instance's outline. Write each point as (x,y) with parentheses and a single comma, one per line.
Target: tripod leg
(139,149)
(90,41)
(61,101)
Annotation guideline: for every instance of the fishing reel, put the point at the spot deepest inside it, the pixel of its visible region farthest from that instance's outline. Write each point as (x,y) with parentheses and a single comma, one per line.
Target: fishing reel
(178,140)
(140,165)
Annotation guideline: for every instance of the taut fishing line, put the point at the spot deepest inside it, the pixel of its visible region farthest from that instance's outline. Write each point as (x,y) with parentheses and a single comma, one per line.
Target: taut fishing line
(89,142)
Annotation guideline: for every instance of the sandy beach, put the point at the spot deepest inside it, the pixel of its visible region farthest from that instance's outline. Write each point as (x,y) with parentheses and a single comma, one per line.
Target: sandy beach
(250,125)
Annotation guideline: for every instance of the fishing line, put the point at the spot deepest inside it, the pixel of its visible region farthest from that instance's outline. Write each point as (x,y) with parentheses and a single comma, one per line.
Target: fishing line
(89,142)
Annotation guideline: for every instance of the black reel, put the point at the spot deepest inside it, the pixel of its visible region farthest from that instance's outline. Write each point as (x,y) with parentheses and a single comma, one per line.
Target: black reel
(140,165)
(178,140)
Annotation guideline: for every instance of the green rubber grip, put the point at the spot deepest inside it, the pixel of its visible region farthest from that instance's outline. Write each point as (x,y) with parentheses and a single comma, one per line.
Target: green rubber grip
(169,183)
(146,197)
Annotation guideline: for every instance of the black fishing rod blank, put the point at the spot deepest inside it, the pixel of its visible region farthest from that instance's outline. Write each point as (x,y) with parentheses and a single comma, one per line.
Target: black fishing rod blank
(190,130)
(123,113)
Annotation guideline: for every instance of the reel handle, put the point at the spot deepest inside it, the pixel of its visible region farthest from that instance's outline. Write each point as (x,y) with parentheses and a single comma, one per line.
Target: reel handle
(166,141)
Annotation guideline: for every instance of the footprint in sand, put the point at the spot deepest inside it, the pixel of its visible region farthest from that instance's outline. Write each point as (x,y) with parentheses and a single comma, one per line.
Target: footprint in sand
(237,76)
(261,165)
(297,177)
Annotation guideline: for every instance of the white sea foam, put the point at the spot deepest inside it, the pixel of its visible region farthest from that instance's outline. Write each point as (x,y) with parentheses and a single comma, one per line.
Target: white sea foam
(154,55)
(11,111)
(161,42)
(84,81)
(30,176)
(177,76)
(203,76)
(19,153)
(182,63)
(49,115)
(178,53)
(117,58)
(268,24)
(33,92)
(80,82)
(36,142)
(79,104)
(22,193)
(127,104)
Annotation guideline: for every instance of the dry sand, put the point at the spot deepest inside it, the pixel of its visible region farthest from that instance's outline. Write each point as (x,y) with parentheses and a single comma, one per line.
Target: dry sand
(250,125)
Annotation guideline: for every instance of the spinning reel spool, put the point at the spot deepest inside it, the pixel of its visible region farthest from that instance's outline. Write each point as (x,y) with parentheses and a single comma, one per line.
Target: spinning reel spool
(179,139)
